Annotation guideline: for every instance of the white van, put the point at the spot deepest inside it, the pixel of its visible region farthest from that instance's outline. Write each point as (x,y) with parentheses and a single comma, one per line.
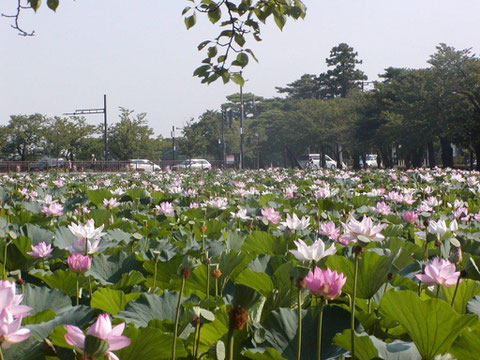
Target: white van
(315,161)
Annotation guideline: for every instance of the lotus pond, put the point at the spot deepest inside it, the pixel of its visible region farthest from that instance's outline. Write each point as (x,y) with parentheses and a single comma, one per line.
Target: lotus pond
(268,264)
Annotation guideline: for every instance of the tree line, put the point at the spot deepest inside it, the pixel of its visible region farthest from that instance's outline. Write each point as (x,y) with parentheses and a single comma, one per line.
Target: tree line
(29,137)
(412,116)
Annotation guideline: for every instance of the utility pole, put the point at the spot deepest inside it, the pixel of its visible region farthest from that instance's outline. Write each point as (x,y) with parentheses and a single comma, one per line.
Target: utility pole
(242,118)
(97,111)
(173,142)
(224,148)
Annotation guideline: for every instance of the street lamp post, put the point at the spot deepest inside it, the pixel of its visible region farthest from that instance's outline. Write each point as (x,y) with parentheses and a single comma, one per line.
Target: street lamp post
(97,111)
(242,118)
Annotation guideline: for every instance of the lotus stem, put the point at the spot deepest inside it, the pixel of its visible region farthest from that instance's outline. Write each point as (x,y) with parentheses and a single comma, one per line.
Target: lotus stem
(299,327)
(197,345)
(1,354)
(77,290)
(177,315)
(154,285)
(319,332)
(196,341)
(354,295)
(438,290)
(455,291)
(230,344)
(207,264)
(5,260)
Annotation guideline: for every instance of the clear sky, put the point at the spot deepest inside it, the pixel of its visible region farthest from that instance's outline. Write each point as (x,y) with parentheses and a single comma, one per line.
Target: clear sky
(140,54)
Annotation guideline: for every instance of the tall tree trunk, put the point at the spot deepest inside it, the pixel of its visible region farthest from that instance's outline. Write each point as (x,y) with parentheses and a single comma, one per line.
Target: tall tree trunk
(447,152)
(477,155)
(356,160)
(417,157)
(386,157)
(431,155)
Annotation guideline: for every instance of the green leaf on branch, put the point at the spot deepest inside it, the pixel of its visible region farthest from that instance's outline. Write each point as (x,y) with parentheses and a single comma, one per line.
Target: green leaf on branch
(53,4)
(190,21)
(35,4)
(431,324)
(215,15)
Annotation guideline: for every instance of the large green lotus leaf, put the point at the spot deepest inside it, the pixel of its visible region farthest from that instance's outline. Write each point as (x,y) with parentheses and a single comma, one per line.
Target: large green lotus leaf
(150,306)
(100,217)
(63,280)
(232,263)
(467,289)
(117,235)
(364,348)
(38,234)
(111,301)
(96,196)
(396,350)
(466,345)
(30,349)
(149,343)
(431,324)
(263,354)
(234,240)
(281,332)
(261,242)
(215,330)
(63,238)
(255,280)
(373,270)
(109,269)
(77,315)
(43,298)
(197,282)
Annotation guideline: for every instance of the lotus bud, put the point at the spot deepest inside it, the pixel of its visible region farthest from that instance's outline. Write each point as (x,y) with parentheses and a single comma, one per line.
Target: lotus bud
(456,256)
(301,283)
(215,273)
(238,317)
(185,273)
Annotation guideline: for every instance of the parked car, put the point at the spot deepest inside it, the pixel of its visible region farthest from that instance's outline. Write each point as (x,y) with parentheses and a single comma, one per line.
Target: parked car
(142,165)
(371,160)
(46,163)
(194,164)
(314,160)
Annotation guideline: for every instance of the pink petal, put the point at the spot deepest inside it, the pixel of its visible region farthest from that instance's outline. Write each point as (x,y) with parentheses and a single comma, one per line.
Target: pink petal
(102,327)
(17,336)
(74,337)
(117,342)
(117,330)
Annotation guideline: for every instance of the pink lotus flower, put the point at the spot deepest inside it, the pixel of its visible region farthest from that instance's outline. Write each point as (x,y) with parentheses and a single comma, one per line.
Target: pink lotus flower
(410,216)
(10,301)
(270,215)
(364,231)
(10,331)
(382,208)
(53,209)
(41,250)
(165,208)
(79,263)
(314,252)
(329,229)
(439,272)
(102,328)
(325,283)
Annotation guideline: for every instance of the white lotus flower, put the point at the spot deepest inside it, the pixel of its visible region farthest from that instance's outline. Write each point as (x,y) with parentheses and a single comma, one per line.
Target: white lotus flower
(83,234)
(314,252)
